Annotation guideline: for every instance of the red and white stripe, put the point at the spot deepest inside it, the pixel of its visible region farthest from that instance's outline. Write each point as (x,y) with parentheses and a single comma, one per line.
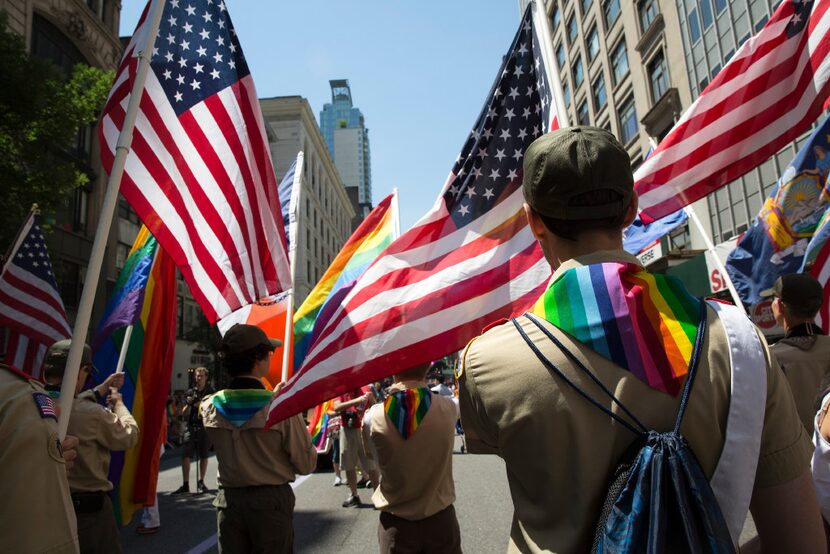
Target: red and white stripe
(204,185)
(821,271)
(32,311)
(770,92)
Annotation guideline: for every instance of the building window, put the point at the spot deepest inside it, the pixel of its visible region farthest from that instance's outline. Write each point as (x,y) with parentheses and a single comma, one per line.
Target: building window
(706,13)
(715,70)
(611,11)
(628,121)
(69,279)
(658,77)
(566,92)
(619,62)
(555,18)
(592,44)
(694,26)
(578,73)
(586,5)
(647,12)
(560,56)
(600,95)
(582,115)
(720,5)
(761,23)
(571,29)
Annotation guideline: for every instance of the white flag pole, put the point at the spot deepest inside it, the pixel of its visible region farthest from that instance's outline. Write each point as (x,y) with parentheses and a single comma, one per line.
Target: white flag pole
(543,31)
(96,259)
(124,347)
(396,212)
(294,221)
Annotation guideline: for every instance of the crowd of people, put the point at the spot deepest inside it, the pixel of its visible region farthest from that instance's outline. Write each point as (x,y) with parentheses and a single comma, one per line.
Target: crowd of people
(610,370)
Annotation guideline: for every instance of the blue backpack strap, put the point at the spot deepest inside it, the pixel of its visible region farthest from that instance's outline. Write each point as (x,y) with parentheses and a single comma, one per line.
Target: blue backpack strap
(693,363)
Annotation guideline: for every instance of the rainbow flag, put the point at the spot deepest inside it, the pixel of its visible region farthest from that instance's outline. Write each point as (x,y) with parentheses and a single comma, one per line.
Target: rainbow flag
(407,408)
(318,424)
(144,297)
(372,236)
(240,405)
(644,323)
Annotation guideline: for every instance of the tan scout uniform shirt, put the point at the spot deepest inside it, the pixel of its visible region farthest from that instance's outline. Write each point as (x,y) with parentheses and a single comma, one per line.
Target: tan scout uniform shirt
(416,473)
(805,361)
(560,451)
(36,513)
(99,431)
(249,456)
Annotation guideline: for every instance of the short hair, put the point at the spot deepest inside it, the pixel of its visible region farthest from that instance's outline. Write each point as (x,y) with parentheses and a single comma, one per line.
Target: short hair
(415,372)
(800,313)
(240,363)
(201,370)
(571,228)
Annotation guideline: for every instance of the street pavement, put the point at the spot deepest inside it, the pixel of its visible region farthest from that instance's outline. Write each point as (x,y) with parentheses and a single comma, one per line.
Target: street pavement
(321,525)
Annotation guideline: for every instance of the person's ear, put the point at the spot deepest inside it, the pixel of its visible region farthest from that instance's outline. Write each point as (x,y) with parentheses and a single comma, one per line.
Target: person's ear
(537,226)
(631,214)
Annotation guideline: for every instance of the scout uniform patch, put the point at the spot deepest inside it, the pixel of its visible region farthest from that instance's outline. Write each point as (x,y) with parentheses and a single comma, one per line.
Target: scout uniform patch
(45,405)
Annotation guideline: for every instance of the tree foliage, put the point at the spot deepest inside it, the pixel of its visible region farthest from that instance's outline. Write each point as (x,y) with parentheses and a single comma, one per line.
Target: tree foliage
(41,112)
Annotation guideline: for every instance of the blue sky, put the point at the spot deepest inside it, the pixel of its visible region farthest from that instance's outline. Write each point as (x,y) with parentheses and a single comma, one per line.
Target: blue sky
(419,71)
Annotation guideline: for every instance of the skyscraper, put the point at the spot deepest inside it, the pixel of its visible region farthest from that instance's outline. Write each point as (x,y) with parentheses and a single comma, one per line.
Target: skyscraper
(347,138)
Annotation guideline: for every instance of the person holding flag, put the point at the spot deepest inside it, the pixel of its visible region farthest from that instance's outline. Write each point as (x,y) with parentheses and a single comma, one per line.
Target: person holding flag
(625,336)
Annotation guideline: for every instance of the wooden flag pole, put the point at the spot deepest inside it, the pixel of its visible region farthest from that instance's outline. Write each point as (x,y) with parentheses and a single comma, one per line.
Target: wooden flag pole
(18,238)
(96,259)
(293,209)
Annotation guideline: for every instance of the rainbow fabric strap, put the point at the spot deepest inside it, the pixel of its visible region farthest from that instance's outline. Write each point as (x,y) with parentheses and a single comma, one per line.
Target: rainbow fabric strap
(644,323)
(238,406)
(406,409)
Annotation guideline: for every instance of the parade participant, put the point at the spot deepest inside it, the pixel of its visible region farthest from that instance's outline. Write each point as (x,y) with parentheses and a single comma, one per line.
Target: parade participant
(37,514)
(196,440)
(412,435)
(630,330)
(255,503)
(99,431)
(804,352)
(351,407)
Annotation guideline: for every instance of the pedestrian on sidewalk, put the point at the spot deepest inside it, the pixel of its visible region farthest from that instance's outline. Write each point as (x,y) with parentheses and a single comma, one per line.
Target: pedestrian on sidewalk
(625,327)
(412,434)
(196,442)
(255,503)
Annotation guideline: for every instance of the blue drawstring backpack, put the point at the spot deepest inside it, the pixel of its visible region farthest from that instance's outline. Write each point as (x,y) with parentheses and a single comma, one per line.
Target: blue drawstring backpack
(659,499)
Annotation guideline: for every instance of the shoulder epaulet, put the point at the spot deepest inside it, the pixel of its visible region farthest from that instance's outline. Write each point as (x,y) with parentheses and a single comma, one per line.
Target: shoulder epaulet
(16,371)
(496,323)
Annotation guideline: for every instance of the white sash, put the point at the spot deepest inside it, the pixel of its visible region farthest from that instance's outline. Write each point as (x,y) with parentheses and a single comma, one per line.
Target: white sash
(734,476)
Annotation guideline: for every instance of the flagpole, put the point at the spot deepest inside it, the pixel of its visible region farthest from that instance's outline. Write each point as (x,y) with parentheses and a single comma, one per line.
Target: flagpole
(96,258)
(125,345)
(18,238)
(396,212)
(552,71)
(294,209)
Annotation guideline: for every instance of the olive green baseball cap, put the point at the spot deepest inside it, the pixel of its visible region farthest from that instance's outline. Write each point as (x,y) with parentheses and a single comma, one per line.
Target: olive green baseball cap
(58,354)
(572,161)
(241,338)
(802,291)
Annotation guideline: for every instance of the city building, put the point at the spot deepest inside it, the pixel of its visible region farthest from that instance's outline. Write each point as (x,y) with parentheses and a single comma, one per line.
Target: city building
(326,212)
(68,32)
(347,138)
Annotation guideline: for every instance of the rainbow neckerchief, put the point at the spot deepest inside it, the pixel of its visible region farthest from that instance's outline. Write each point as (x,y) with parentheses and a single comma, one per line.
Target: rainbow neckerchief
(240,405)
(406,409)
(642,322)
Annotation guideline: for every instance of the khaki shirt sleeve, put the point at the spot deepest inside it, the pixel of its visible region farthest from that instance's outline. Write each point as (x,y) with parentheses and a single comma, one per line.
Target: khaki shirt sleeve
(786,449)
(298,447)
(481,434)
(118,429)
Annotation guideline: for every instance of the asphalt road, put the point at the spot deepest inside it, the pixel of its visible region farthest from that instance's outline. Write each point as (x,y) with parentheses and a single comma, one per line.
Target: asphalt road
(188,522)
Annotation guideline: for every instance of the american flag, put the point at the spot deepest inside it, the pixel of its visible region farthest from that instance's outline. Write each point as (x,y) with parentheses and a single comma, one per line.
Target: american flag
(770,92)
(199,171)
(469,261)
(31,308)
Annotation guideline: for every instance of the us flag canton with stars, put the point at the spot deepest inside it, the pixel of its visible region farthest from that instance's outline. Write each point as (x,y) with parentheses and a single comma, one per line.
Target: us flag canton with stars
(34,258)
(489,167)
(196,53)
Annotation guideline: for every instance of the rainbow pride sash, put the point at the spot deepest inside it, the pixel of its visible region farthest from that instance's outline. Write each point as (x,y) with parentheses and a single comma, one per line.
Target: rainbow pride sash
(406,409)
(240,405)
(642,322)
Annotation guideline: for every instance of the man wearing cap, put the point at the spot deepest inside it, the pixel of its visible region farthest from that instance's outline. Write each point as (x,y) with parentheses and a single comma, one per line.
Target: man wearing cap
(804,352)
(560,450)
(255,503)
(37,514)
(99,431)
(197,442)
